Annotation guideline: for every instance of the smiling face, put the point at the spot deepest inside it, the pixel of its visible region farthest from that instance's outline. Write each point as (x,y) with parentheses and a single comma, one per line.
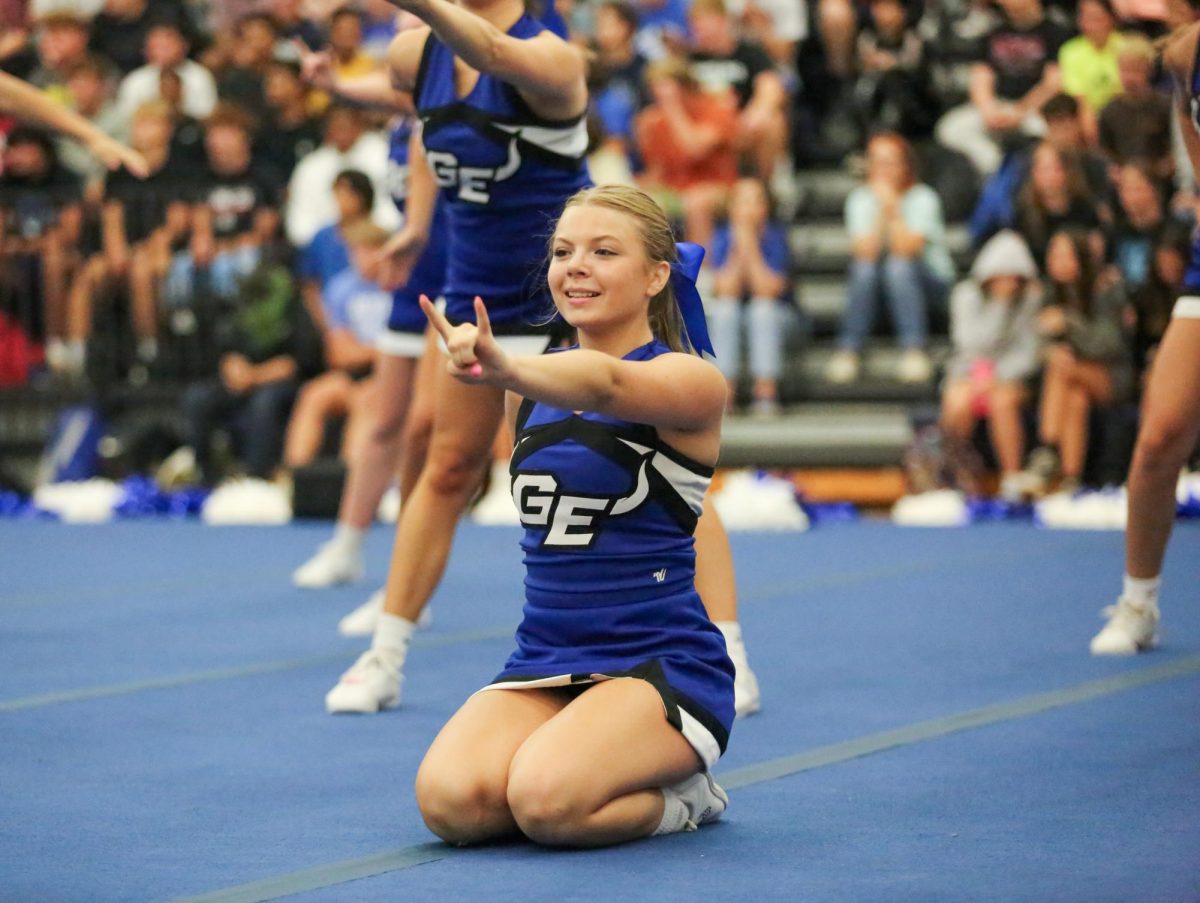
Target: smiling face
(600,276)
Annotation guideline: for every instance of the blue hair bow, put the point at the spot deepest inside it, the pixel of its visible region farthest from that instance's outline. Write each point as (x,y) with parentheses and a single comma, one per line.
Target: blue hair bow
(683,280)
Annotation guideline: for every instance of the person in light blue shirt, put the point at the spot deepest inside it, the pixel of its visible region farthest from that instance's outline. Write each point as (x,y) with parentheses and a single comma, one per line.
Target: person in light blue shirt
(898,242)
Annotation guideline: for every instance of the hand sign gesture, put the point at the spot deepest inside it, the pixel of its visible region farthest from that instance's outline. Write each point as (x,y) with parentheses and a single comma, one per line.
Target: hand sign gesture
(475,356)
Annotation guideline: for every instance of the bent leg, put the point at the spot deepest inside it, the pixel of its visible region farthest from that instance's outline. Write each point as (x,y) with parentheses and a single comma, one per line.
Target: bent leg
(374,465)
(592,775)
(462,784)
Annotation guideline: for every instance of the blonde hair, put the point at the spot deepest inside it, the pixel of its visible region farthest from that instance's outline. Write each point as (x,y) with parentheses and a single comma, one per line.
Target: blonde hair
(658,243)
(365,234)
(1136,46)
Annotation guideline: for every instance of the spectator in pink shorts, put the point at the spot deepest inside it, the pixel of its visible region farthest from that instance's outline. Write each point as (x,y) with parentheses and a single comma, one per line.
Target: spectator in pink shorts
(996,351)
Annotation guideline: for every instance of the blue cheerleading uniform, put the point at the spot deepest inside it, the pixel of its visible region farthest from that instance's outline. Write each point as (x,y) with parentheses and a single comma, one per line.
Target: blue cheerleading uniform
(504,174)
(428,276)
(609,512)
(1189,304)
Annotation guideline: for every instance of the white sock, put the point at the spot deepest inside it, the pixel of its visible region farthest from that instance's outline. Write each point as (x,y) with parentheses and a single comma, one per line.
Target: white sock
(732,631)
(675,814)
(1142,592)
(348,539)
(392,634)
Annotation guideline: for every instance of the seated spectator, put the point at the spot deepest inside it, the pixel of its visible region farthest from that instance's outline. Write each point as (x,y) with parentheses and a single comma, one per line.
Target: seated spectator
(777,25)
(267,348)
(234,212)
(347,145)
(92,97)
(1087,359)
(62,43)
(996,352)
(1136,124)
(187,137)
(142,221)
(120,31)
(290,132)
(750,287)
(355,311)
(328,255)
(1141,221)
(687,145)
(898,239)
(350,61)
(892,91)
(1067,131)
(1019,73)
(618,87)
(167,50)
(996,208)
(1088,62)
(251,53)
(40,220)
(1054,196)
(743,73)
(293,25)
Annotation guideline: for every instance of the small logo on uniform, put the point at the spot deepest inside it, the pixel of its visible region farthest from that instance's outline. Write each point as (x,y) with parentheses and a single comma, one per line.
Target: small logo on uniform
(660,576)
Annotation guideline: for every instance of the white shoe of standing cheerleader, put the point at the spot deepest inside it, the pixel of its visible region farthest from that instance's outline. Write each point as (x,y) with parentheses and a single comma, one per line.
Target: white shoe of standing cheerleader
(331,565)
(371,685)
(1129,630)
(362,621)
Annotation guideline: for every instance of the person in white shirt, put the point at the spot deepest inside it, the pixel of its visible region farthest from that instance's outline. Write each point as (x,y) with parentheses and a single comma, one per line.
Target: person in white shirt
(348,145)
(167,48)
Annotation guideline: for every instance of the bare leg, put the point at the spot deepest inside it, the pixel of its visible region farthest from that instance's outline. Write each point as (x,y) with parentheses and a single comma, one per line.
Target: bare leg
(592,775)
(1004,422)
(715,581)
(462,784)
(1074,435)
(463,430)
(320,398)
(55,274)
(143,294)
(958,416)
(81,297)
(1170,427)
(419,427)
(1053,406)
(375,464)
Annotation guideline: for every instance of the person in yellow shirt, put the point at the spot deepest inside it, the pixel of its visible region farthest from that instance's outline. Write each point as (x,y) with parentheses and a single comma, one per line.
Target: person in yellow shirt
(1088,63)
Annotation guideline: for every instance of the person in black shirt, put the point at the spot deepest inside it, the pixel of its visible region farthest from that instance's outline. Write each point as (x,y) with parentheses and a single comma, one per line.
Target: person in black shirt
(1018,73)
(141,220)
(40,221)
(291,133)
(251,53)
(119,31)
(234,212)
(267,346)
(722,63)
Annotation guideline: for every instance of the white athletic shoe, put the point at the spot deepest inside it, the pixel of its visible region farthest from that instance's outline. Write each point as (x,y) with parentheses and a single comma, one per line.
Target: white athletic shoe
(370,685)
(704,799)
(1129,629)
(332,564)
(362,621)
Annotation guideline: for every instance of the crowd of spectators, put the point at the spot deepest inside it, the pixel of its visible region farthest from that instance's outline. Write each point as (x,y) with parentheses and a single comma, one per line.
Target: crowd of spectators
(1039,124)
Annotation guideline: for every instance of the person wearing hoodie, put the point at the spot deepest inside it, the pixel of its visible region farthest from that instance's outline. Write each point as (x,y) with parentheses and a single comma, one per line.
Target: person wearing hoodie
(996,351)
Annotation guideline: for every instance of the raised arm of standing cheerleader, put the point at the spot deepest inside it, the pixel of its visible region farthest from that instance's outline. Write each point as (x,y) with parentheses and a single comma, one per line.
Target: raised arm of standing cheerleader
(28,104)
